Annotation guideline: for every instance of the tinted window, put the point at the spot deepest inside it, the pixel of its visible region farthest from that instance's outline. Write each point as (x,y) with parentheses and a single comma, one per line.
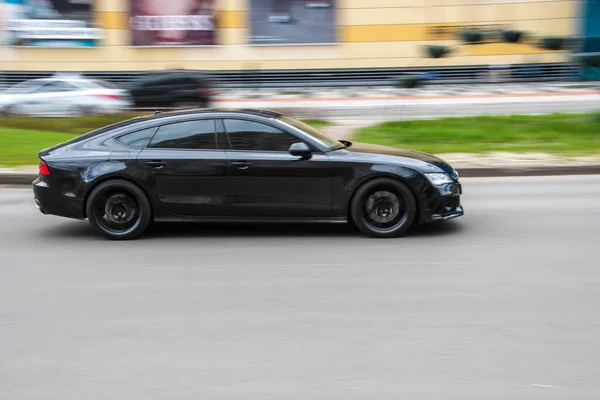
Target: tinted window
(24,87)
(105,84)
(139,139)
(56,86)
(182,81)
(248,135)
(186,135)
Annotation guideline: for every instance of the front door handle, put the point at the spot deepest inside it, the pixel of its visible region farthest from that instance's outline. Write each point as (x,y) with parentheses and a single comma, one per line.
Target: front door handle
(242,164)
(156,164)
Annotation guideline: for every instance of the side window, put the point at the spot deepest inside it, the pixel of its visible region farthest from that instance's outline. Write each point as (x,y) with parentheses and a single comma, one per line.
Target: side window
(186,135)
(249,135)
(139,139)
(56,86)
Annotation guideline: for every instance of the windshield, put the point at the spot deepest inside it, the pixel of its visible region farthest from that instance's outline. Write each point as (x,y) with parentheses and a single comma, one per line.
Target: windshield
(24,87)
(320,136)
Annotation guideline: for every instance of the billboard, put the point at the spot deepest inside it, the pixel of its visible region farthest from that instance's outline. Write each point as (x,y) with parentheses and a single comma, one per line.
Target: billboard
(50,23)
(292,22)
(172,22)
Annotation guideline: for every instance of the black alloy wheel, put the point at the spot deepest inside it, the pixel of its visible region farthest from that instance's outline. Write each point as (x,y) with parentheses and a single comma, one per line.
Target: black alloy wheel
(119,210)
(383,208)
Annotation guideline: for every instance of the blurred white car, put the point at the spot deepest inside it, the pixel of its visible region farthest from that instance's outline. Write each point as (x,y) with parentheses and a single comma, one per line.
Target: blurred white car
(64,96)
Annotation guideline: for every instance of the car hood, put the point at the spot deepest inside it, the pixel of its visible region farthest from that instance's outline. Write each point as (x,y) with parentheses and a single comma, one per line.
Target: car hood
(367,148)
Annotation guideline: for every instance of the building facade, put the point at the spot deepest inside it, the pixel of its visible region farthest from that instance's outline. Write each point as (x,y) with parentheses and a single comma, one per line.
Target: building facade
(282,34)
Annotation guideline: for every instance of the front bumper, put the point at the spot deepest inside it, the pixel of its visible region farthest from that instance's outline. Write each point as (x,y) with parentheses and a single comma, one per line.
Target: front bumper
(441,203)
(458,212)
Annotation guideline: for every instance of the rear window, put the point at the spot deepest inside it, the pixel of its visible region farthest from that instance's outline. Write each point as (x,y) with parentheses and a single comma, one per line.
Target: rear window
(96,132)
(139,139)
(105,84)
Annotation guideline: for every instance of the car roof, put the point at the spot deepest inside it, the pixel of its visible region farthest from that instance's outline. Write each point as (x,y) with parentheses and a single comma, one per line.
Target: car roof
(244,111)
(157,116)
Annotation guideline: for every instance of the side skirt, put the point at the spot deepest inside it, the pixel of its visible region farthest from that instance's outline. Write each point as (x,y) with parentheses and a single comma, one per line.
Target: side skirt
(253,220)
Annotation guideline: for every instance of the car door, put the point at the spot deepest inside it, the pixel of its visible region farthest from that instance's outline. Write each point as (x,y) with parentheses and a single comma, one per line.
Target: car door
(266,181)
(55,98)
(40,102)
(186,168)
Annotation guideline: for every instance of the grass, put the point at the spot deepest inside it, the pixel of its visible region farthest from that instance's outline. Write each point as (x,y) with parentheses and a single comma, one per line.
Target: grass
(20,146)
(567,134)
(22,138)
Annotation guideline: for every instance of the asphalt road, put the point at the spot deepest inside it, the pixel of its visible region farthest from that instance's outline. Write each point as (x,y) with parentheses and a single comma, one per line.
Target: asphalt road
(501,304)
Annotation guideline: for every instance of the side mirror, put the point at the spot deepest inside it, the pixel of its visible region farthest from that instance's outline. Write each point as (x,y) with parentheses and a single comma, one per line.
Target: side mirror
(301,150)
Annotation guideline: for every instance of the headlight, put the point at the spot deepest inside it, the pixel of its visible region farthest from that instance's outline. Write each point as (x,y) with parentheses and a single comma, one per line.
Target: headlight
(439,178)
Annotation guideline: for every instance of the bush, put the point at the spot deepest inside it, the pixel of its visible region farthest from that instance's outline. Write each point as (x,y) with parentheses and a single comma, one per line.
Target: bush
(472,37)
(512,36)
(435,51)
(553,43)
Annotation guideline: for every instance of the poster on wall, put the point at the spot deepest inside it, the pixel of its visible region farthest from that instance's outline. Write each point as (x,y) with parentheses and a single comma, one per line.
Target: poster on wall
(280,22)
(50,23)
(172,22)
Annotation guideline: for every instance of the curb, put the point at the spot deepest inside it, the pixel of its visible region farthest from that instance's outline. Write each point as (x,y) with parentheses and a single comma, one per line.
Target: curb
(17,178)
(488,172)
(26,178)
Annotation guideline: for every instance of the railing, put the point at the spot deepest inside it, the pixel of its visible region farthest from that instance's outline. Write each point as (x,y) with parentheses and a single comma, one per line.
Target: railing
(346,77)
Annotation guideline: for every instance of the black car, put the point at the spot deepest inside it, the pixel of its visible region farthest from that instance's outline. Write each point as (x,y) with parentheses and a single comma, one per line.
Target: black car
(172,89)
(239,165)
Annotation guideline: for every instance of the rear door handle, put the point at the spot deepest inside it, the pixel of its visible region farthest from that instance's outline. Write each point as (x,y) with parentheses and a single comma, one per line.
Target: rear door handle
(242,164)
(156,164)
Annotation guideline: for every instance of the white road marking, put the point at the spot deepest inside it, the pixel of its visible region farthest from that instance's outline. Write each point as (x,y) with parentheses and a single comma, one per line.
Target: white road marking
(546,386)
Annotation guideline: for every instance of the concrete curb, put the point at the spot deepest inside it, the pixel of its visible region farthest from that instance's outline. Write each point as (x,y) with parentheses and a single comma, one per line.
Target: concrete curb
(481,172)
(26,178)
(17,178)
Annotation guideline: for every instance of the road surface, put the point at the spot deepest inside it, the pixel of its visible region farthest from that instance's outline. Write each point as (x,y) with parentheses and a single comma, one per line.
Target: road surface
(501,304)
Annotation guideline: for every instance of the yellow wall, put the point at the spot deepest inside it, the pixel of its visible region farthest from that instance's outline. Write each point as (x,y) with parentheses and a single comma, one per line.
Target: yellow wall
(371,33)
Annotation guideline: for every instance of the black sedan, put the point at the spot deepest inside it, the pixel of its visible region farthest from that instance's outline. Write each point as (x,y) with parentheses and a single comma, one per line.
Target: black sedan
(239,165)
(172,89)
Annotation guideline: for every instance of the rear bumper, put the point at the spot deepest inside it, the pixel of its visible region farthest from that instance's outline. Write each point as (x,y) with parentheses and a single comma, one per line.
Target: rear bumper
(49,200)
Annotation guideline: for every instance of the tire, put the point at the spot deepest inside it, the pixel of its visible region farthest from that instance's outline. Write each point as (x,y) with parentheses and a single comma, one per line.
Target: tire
(383,208)
(119,210)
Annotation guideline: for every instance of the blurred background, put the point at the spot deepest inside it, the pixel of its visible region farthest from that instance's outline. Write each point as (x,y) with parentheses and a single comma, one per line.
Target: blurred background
(346,64)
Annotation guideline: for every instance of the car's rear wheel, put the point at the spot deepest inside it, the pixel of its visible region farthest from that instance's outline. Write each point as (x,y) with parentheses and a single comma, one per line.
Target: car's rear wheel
(119,210)
(383,208)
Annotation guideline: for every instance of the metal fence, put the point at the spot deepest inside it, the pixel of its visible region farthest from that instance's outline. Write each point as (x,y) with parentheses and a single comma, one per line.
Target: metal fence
(346,77)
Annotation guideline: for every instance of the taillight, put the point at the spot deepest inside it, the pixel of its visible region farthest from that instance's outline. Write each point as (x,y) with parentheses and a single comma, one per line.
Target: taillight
(43,168)
(109,96)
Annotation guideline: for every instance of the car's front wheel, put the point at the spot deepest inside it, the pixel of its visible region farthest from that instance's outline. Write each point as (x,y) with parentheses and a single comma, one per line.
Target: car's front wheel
(119,210)
(383,208)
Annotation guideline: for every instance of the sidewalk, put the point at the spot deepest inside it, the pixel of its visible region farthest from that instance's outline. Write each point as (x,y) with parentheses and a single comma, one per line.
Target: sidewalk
(380,108)
(356,92)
